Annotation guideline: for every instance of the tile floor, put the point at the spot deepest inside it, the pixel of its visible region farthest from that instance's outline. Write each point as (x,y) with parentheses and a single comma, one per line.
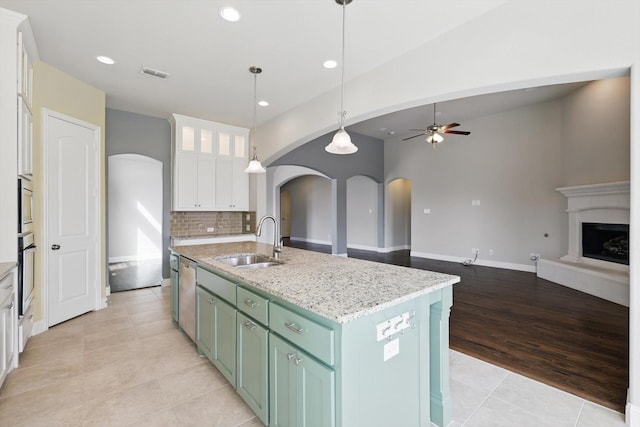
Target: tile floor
(127,365)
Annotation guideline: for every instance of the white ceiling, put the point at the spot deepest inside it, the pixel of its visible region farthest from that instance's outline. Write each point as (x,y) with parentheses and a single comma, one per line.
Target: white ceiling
(208,59)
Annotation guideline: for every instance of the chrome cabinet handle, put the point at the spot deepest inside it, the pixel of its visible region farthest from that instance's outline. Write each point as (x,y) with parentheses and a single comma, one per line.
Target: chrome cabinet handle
(294,328)
(250,325)
(10,306)
(297,361)
(251,303)
(290,356)
(55,247)
(211,301)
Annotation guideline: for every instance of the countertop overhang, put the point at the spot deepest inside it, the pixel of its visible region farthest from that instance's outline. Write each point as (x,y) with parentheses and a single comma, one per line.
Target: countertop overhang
(338,288)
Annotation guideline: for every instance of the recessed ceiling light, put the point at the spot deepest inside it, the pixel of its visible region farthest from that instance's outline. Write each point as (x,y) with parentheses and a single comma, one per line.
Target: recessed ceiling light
(391,132)
(105,60)
(329,64)
(230,14)
(263,103)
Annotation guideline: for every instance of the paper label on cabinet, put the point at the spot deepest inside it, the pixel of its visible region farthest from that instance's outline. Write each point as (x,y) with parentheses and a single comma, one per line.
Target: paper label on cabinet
(391,349)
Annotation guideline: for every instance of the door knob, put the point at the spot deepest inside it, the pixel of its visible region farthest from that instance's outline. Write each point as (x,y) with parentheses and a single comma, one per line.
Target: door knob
(55,247)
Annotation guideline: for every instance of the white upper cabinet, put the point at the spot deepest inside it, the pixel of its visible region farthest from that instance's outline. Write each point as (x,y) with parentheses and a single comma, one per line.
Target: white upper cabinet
(232,184)
(208,165)
(25,72)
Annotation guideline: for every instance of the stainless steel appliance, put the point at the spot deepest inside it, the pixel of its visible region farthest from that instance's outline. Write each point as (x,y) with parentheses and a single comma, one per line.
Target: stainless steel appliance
(25,206)
(26,254)
(187,297)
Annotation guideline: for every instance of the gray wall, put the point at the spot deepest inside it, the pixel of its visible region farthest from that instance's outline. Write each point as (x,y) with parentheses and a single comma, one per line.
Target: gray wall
(367,161)
(513,162)
(310,208)
(149,136)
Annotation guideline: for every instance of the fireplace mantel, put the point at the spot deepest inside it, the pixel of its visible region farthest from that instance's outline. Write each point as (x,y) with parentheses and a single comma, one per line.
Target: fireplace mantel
(598,203)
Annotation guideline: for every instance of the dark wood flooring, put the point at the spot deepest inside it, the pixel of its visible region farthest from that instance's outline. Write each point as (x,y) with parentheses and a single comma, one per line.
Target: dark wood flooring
(556,335)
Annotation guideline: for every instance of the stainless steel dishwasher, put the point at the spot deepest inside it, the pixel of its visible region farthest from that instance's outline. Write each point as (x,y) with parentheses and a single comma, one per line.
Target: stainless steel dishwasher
(187,297)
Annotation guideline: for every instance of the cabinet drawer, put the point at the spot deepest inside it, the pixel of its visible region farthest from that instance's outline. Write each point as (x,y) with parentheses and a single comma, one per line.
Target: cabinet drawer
(305,333)
(254,305)
(224,288)
(6,286)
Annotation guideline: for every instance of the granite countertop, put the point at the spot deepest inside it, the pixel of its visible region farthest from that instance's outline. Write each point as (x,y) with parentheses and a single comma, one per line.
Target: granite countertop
(337,288)
(5,267)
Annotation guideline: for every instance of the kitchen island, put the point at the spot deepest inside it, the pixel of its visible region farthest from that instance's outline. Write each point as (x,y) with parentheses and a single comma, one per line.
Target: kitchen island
(346,342)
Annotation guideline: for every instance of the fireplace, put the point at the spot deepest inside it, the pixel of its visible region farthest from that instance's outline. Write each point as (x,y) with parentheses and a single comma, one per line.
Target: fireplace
(597,259)
(606,242)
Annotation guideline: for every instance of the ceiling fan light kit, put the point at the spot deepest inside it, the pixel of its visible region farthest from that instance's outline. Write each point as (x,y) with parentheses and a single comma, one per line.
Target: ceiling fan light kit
(435,132)
(341,142)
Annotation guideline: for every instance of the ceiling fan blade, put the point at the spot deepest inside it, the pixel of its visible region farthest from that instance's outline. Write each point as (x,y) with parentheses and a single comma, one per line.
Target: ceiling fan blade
(415,136)
(417,130)
(449,126)
(458,132)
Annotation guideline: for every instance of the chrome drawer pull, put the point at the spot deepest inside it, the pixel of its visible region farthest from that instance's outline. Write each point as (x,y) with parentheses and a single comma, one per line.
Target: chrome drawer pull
(297,361)
(290,356)
(211,301)
(294,328)
(251,303)
(10,306)
(250,325)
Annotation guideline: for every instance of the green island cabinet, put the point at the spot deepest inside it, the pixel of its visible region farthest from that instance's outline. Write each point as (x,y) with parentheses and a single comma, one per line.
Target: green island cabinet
(295,368)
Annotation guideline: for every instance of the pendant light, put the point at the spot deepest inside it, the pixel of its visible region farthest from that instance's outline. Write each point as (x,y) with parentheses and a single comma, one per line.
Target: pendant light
(254,165)
(341,142)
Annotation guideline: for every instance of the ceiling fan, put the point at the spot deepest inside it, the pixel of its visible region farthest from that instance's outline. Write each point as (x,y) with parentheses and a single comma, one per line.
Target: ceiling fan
(435,131)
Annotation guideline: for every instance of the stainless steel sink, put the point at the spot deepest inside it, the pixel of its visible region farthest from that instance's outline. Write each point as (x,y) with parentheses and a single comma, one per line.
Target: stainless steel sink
(248,261)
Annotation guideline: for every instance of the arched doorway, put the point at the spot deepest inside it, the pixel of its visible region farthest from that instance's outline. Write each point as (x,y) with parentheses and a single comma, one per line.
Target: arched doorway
(135,221)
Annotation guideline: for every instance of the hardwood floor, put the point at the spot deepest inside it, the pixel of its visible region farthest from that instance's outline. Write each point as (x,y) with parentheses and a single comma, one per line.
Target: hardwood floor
(561,337)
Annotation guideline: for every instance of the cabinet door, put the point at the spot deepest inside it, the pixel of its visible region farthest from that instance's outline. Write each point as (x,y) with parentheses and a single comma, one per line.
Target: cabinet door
(7,331)
(25,140)
(205,322)
(186,182)
(206,182)
(253,369)
(224,340)
(282,383)
(315,393)
(240,178)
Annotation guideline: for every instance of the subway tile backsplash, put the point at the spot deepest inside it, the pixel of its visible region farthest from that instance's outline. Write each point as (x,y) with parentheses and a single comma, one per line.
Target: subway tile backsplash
(195,224)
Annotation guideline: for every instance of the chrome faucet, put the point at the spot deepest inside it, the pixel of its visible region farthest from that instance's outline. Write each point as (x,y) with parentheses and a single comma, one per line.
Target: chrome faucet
(277,248)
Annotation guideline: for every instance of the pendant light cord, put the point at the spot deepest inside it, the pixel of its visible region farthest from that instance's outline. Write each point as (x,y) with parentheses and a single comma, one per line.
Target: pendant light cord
(342,112)
(255,85)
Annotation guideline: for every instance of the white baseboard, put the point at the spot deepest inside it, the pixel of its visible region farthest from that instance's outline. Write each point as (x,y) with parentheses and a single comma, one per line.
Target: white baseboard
(482,262)
(38,327)
(394,248)
(364,248)
(130,258)
(632,415)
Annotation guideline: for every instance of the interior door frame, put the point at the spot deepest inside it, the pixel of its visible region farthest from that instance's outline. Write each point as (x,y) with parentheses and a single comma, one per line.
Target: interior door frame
(46,115)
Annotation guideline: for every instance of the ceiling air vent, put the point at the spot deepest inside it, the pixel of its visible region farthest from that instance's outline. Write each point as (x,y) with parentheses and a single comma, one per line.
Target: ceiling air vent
(155,73)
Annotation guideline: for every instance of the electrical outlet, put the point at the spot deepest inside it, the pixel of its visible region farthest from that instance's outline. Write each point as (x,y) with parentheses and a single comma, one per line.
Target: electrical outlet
(427,211)
(248,227)
(490,251)
(210,229)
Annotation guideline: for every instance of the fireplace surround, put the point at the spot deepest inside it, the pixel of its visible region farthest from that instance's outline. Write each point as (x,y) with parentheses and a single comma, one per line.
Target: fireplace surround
(603,208)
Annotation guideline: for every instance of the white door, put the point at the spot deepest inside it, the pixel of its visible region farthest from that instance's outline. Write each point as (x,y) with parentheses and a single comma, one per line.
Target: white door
(72,201)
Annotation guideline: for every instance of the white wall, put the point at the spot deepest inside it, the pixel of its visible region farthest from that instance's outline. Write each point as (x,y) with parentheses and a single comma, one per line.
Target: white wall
(135,208)
(362,213)
(310,209)
(398,214)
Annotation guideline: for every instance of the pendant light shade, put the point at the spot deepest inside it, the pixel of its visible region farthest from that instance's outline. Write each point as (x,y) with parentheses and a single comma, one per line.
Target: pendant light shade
(341,142)
(254,165)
